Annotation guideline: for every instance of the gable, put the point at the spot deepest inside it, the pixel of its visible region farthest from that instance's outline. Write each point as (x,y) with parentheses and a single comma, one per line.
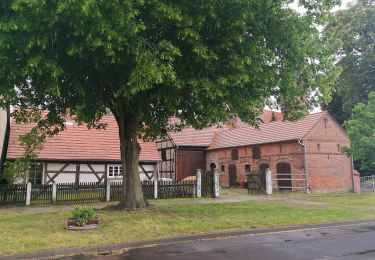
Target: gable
(327,129)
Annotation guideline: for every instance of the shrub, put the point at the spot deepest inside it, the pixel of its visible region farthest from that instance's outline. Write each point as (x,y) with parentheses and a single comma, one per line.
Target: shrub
(83,215)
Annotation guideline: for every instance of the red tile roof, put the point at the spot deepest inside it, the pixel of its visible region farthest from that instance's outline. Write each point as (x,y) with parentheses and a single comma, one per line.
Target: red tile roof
(203,138)
(192,137)
(272,132)
(78,143)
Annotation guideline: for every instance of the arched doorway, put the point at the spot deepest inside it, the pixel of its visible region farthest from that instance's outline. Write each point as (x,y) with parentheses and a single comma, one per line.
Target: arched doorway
(232,175)
(284,176)
(263,167)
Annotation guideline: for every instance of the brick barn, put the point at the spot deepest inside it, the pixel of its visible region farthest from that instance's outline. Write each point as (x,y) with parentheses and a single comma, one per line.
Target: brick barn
(78,154)
(303,154)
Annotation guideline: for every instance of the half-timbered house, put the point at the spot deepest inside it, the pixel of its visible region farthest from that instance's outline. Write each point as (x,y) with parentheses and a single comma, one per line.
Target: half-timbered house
(79,154)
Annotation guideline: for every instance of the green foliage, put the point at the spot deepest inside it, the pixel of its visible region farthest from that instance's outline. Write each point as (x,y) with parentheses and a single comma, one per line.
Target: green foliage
(201,61)
(32,142)
(83,215)
(361,129)
(16,171)
(354,30)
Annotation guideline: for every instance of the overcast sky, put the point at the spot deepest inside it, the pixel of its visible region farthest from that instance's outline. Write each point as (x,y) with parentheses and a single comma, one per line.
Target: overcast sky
(342,6)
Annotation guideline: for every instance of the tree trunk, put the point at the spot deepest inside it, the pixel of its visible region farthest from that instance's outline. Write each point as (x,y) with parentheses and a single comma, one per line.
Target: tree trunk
(132,196)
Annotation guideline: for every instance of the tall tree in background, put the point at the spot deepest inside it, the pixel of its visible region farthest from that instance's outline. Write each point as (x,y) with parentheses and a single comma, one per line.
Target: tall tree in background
(361,129)
(354,30)
(202,61)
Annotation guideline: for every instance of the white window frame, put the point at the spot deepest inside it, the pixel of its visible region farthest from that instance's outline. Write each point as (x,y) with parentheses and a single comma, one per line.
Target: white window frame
(114,171)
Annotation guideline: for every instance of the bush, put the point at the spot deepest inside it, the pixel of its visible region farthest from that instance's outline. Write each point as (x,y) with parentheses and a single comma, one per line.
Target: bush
(83,215)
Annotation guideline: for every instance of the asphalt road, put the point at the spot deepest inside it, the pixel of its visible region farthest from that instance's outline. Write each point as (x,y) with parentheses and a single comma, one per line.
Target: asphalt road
(353,241)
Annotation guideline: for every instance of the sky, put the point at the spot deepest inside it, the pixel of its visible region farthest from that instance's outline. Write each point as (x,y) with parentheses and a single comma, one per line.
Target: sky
(343,5)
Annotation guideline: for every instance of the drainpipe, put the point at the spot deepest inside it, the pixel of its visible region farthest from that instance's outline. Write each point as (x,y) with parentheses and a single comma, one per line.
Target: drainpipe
(352,164)
(305,164)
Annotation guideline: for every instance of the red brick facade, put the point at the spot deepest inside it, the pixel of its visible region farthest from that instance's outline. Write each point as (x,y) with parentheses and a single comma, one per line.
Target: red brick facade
(328,169)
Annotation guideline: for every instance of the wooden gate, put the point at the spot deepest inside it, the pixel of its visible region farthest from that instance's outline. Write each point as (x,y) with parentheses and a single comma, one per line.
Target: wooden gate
(284,176)
(233,175)
(256,182)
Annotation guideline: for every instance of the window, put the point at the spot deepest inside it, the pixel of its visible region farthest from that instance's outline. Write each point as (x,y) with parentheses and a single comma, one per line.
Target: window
(35,174)
(163,155)
(234,155)
(114,171)
(247,168)
(222,168)
(212,166)
(256,152)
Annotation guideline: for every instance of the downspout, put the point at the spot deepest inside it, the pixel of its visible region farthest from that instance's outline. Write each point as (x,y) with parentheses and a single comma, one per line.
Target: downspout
(352,164)
(305,165)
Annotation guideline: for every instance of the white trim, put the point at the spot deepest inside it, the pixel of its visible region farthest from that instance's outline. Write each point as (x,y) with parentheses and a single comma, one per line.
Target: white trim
(116,168)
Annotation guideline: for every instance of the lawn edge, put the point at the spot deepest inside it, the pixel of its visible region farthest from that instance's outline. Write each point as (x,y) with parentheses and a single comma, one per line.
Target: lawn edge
(117,248)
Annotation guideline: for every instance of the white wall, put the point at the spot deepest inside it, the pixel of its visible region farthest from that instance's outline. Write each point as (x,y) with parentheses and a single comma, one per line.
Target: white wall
(52,168)
(3,125)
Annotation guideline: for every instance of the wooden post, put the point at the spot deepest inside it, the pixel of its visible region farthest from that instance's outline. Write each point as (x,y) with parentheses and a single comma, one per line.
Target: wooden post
(78,169)
(54,192)
(108,190)
(268,182)
(28,194)
(216,183)
(199,183)
(155,188)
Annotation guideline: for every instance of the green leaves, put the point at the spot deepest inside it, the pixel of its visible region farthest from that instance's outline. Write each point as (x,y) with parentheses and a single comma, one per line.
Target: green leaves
(361,129)
(202,61)
(353,32)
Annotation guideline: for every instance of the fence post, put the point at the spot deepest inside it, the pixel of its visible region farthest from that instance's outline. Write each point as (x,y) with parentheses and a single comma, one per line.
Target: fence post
(108,190)
(28,194)
(216,184)
(268,182)
(155,189)
(54,192)
(199,183)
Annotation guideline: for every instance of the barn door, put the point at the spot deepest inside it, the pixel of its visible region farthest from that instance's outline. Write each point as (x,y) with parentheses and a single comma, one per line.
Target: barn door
(232,175)
(284,176)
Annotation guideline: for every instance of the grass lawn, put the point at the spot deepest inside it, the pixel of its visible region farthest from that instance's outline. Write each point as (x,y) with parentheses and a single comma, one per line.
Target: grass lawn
(26,232)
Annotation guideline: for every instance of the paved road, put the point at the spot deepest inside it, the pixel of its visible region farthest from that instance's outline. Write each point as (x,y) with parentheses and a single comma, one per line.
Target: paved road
(353,241)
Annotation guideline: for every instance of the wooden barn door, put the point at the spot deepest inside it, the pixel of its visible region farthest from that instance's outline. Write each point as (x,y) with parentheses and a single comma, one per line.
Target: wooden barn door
(232,175)
(284,176)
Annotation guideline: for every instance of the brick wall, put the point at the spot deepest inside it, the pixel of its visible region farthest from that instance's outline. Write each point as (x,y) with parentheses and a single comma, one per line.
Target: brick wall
(328,168)
(271,154)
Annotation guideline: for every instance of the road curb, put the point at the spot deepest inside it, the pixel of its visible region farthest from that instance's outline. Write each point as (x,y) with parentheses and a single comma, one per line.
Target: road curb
(118,247)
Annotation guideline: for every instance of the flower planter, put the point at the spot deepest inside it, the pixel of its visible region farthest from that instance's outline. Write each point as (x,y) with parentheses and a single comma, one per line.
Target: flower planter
(91,224)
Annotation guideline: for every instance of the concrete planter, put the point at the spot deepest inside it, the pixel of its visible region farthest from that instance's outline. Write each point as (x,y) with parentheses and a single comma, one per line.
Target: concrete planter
(90,225)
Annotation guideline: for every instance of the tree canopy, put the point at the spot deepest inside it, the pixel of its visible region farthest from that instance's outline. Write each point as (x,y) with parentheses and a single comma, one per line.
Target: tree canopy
(354,30)
(361,129)
(201,61)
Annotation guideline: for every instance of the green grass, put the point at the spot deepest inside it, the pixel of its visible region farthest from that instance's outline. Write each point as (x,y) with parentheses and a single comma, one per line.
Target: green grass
(26,232)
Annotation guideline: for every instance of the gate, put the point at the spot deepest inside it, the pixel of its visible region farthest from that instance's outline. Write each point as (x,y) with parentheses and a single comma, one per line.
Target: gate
(233,175)
(256,182)
(367,183)
(208,184)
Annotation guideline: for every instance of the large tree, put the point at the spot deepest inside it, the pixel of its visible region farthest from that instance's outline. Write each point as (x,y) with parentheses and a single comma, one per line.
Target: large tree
(354,30)
(202,61)
(361,129)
